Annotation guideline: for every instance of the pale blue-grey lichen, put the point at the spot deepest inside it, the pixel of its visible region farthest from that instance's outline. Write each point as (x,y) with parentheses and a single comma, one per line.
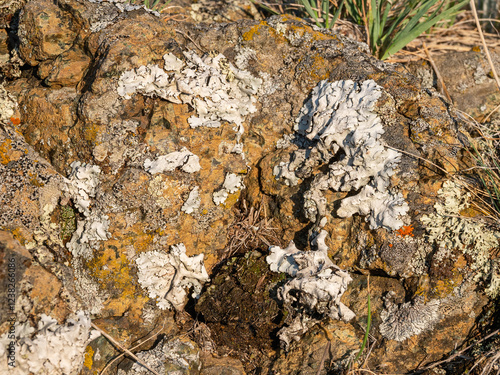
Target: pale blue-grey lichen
(400,322)
(339,116)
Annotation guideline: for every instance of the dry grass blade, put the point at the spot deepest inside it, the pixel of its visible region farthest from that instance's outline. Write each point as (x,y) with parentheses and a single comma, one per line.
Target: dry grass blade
(252,229)
(438,75)
(121,347)
(153,336)
(459,353)
(486,50)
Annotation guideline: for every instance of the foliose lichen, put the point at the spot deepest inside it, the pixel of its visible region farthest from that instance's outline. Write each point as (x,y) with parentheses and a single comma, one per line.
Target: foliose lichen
(168,357)
(193,202)
(183,159)
(50,349)
(338,123)
(232,183)
(213,86)
(167,276)
(316,287)
(448,229)
(400,322)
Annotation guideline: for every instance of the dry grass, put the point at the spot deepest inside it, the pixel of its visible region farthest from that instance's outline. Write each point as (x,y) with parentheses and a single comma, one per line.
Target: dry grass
(252,229)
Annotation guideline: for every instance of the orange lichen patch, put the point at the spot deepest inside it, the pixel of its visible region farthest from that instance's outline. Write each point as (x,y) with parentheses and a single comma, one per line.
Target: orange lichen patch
(91,132)
(391,245)
(7,154)
(15,120)
(254,30)
(112,271)
(89,355)
(405,230)
(319,68)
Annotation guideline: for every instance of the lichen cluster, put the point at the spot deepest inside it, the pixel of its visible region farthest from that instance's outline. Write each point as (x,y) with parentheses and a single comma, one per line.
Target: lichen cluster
(316,287)
(448,229)
(51,348)
(338,123)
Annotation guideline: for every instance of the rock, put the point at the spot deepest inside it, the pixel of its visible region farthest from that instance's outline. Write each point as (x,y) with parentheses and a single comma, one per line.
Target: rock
(104,149)
(66,70)
(468,79)
(45,31)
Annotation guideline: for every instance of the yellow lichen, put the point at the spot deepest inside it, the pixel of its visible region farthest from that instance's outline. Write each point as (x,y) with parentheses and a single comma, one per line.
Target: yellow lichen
(249,35)
(89,354)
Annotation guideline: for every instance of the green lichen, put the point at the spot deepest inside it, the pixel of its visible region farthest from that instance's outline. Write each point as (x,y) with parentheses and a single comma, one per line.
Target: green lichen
(448,229)
(67,222)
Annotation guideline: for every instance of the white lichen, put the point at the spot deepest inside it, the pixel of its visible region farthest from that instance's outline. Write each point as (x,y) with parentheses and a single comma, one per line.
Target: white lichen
(50,349)
(183,159)
(339,117)
(8,105)
(316,286)
(81,185)
(400,322)
(88,234)
(232,183)
(167,276)
(449,230)
(172,63)
(216,89)
(193,202)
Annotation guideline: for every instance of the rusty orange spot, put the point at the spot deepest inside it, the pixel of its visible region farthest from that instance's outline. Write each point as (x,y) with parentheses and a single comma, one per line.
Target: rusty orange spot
(15,120)
(391,245)
(405,230)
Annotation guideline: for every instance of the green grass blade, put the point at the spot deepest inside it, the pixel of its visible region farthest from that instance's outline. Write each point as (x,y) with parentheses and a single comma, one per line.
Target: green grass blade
(266,8)
(367,332)
(337,13)
(325,6)
(353,9)
(312,13)
(388,6)
(405,36)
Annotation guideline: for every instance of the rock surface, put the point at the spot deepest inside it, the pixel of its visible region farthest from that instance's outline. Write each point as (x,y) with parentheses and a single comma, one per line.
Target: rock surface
(92,177)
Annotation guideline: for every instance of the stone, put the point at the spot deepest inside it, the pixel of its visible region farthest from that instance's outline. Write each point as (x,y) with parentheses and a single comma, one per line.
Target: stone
(67,69)
(45,31)
(84,193)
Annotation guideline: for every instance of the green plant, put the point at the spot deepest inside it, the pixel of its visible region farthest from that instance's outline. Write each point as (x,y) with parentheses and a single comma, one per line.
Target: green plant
(389,24)
(368,325)
(322,17)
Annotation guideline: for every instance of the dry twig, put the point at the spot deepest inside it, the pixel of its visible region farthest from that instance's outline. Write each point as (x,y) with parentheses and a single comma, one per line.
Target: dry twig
(125,350)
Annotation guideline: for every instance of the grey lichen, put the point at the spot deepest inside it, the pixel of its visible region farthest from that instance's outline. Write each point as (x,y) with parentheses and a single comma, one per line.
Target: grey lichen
(400,322)
(168,357)
(339,116)
(213,86)
(449,230)
(49,349)
(316,287)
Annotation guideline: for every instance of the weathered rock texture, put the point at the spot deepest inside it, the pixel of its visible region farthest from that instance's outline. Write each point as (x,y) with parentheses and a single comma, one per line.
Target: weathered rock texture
(80,202)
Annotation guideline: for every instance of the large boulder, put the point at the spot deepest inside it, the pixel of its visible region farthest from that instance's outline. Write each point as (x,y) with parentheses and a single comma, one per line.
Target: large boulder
(127,152)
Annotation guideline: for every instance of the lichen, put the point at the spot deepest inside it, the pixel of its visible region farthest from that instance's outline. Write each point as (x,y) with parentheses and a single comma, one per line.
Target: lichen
(183,159)
(193,202)
(50,349)
(449,230)
(339,117)
(166,276)
(400,322)
(232,183)
(213,86)
(168,357)
(8,105)
(316,287)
